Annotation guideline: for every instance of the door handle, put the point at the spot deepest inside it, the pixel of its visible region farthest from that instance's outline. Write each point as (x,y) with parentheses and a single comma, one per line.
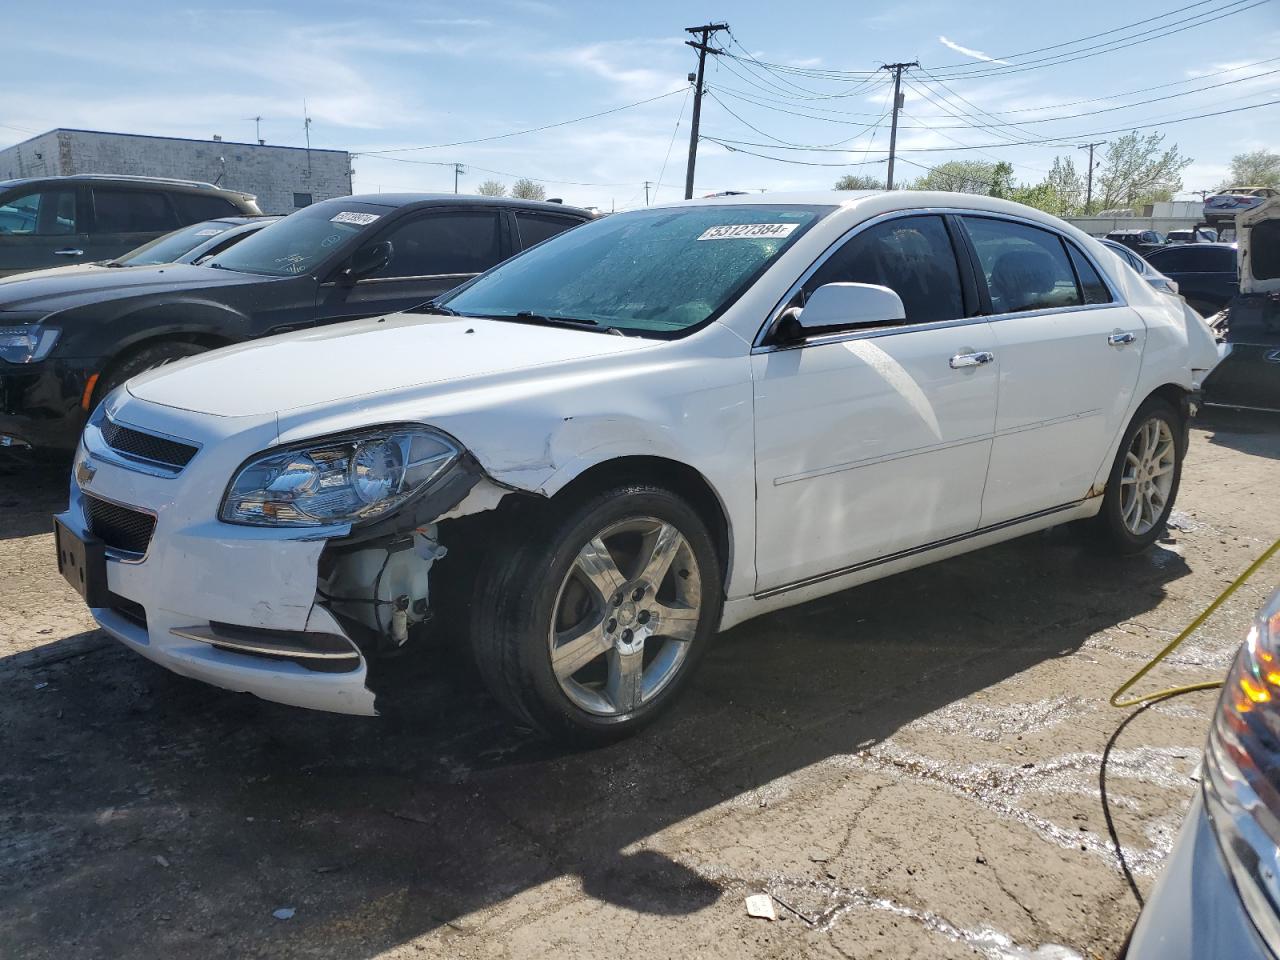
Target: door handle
(1120,339)
(971,359)
(69,252)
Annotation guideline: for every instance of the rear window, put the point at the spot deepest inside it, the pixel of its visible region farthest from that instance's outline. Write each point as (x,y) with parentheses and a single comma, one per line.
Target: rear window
(1091,285)
(131,211)
(536,227)
(1264,248)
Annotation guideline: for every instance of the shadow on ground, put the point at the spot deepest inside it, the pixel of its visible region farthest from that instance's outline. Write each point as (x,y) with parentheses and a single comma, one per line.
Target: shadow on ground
(1246,431)
(142,814)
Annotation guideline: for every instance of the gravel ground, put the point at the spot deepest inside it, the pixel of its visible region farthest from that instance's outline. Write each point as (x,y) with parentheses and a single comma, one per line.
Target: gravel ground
(910,769)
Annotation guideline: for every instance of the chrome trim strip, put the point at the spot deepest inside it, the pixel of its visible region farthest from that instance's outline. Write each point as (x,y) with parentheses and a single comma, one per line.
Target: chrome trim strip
(758,346)
(911,552)
(97,447)
(213,637)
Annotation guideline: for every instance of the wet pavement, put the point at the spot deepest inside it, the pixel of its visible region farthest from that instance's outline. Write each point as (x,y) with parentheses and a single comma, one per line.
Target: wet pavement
(911,768)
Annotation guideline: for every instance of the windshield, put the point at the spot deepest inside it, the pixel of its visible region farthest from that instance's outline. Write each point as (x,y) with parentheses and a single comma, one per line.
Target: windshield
(171,246)
(299,242)
(661,272)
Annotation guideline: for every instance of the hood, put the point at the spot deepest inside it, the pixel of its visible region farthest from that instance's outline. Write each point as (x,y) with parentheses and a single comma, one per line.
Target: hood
(1258,250)
(63,288)
(363,358)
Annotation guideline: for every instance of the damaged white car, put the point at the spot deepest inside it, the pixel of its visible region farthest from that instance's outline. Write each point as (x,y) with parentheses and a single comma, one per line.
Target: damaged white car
(596,456)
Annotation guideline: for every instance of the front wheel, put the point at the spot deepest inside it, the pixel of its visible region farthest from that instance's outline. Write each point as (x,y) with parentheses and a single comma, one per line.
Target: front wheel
(1144,479)
(589,626)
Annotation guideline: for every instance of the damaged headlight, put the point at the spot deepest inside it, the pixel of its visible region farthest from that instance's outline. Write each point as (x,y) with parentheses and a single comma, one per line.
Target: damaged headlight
(27,343)
(342,479)
(1242,772)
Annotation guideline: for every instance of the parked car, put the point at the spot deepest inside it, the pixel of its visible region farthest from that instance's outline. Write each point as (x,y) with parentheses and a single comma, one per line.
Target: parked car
(1217,895)
(1249,374)
(1144,269)
(67,341)
(51,221)
(1233,201)
(1196,235)
(595,456)
(1141,241)
(1206,273)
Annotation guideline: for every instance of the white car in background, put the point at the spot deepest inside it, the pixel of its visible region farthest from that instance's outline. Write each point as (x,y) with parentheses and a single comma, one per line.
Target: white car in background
(1233,201)
(641,432)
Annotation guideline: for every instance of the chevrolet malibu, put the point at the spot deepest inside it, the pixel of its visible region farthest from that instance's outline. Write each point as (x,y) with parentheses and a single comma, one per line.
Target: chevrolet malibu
(592,458)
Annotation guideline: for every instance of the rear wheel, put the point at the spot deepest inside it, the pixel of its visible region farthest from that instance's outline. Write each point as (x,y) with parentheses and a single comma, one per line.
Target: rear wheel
(1144,479)
(589,627)
(142,360)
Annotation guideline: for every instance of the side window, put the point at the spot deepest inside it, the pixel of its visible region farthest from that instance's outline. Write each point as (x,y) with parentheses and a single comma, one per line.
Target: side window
(1091,285)
(48,212)
(131,211)
(195,207)
(458,242)
(912,256)
(1174,260)
(1026,267)
(1224,260)
(536,227)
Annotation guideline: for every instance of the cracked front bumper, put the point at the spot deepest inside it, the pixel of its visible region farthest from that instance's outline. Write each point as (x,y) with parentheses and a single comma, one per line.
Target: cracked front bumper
(197,572)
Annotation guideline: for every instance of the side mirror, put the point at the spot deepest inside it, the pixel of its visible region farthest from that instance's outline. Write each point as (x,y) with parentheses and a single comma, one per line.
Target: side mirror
(840,306)
(367,260)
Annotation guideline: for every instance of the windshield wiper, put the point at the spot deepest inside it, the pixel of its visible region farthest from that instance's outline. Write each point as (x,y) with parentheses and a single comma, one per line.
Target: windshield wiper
(526,316)
(432,307)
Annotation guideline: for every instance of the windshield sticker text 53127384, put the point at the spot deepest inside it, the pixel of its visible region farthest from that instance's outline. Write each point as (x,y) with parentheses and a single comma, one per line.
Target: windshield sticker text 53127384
(749,231)
(351,216)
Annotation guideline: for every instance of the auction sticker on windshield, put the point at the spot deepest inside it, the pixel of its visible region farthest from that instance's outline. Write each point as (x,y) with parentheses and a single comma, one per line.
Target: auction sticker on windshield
(359,219)
(748,231)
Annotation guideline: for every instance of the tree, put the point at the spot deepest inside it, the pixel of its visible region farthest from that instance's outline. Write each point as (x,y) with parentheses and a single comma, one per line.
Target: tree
(960,176)
(1138,170)
(492,188)
(1065,188)
(526,189)
(1002,180)
(1261,168)
(858,181)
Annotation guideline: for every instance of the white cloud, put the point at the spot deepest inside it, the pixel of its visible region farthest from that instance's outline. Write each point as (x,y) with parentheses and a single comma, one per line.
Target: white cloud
(969,51)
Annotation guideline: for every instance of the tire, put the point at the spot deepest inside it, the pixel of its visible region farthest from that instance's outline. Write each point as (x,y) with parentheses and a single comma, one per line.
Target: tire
(1131,519)
(140,361)
(632,656)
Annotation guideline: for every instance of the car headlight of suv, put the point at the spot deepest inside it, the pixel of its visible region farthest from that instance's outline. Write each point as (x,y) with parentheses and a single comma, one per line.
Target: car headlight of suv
(1242,772)
(342,479)
(27,343)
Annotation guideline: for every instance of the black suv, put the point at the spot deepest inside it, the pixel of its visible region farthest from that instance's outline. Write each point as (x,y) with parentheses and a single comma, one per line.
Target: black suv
(68,338)
(53,221)
(1140,241)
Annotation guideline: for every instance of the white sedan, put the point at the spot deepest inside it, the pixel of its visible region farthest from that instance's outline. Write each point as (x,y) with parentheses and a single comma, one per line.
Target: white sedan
(594,457)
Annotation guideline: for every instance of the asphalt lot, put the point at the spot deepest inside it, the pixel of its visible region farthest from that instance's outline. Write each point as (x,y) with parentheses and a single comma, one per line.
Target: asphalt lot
(910,768)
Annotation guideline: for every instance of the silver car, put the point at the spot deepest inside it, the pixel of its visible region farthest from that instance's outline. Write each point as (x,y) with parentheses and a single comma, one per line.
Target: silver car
(1219,895)
(1145,270)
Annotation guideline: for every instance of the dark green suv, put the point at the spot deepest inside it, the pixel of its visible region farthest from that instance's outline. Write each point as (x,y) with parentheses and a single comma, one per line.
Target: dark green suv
(55,221)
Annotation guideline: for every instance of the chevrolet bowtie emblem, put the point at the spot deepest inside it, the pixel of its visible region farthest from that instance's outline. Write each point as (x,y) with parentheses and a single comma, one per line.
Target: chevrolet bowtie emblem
(84,472)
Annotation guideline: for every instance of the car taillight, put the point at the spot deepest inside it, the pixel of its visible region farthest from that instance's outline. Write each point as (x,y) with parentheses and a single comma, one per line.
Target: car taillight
(1242,772)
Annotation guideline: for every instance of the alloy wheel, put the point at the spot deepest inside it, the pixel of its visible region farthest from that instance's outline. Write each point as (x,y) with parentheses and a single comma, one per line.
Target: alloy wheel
(1146,478)
(625,616)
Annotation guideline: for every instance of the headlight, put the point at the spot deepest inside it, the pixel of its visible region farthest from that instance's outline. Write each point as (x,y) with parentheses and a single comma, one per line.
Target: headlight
(1242,767)
(342,479)
(26,343)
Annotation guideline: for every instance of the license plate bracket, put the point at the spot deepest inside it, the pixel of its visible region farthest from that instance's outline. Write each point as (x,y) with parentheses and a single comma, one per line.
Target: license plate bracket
(82,561)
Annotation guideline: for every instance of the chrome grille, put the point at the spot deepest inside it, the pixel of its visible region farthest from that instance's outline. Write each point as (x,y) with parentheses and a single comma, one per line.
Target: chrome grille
(122,529)
(147,446)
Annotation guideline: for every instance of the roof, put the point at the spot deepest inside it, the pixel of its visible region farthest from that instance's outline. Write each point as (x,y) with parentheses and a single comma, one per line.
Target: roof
(453,199)
(195,186)
(148,136)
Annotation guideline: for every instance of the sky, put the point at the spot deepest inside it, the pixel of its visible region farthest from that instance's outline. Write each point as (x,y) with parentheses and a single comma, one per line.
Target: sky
(396,76)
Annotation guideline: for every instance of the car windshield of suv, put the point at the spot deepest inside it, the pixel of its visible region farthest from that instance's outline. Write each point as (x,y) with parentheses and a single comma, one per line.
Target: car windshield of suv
(661,272)
(300,241)
(171,246)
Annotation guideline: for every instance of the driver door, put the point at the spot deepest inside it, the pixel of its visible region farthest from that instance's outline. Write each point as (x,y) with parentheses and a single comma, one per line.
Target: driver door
(432,251)
(875,440)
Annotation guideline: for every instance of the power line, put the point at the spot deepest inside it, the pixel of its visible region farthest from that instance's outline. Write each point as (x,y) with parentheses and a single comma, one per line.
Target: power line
(520,133)
(679,117)
(862,128)
(728,145)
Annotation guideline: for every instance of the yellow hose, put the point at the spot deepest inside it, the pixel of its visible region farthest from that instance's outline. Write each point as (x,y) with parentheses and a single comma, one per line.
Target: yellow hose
(1173,645)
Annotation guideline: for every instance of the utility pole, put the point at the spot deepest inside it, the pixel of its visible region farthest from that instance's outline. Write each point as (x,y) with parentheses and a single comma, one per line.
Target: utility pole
(646,192)
(897,69)
(707,30)
(257,129)
(457,169)
(1088,190)
(306,127)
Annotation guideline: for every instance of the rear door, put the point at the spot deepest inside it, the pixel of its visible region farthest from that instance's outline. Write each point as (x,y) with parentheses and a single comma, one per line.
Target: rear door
(41,227)
(124,218)
(432,251)
(1068,351)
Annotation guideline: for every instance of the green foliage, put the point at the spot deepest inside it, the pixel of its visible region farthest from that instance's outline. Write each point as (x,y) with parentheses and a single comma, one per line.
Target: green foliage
(858,181)
(1261,168)
(960,176)
(526,189)
(492,188)
(1138,170)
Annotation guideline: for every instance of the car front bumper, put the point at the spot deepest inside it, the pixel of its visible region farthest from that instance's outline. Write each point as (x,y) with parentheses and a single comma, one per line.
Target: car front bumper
(40,403)
(1194,911)
(199,575)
